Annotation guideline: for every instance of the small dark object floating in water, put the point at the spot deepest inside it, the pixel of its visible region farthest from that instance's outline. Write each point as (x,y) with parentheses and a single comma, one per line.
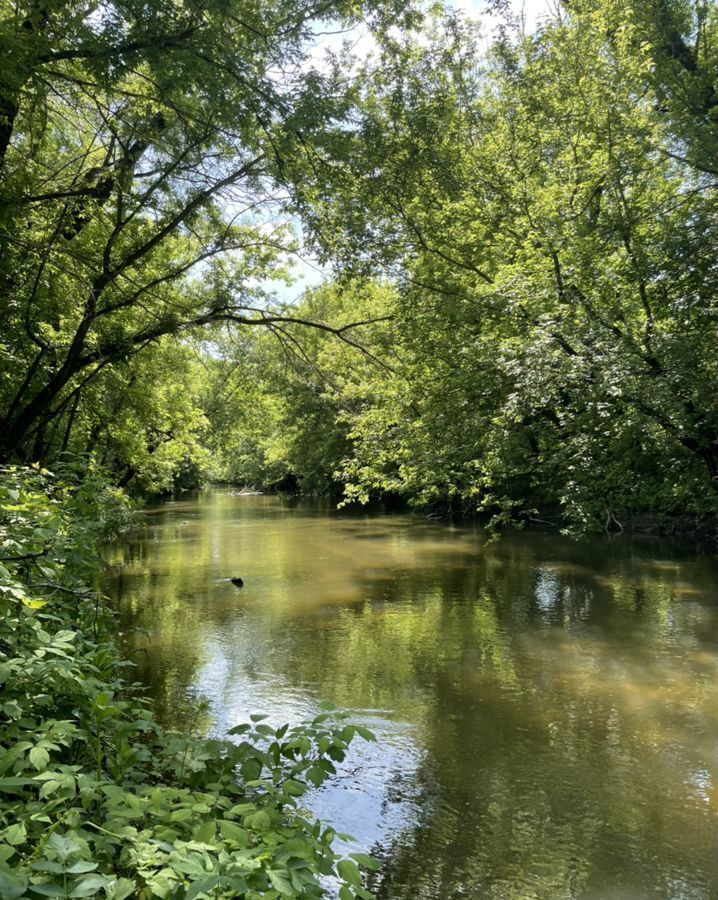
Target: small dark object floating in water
(237,582)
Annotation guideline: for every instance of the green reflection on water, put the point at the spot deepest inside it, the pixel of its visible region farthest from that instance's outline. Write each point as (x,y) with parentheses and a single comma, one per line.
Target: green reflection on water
(546,708)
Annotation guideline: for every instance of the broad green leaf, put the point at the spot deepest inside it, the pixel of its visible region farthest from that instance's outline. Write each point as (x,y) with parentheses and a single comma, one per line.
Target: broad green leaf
(39,757)
(89,886)
(258,821)
(205,832)
(120,889)
(204,886)
(14,834)
(363,859)
(349,871)
(251,769)
(14,785)
(49,787)
(294,788)
(230,831)
(82,866)
(48,890)
(281,883)
(12,884)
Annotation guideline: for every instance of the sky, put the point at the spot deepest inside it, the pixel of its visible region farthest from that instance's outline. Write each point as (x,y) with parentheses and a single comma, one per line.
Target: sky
(307,273)
(531,10)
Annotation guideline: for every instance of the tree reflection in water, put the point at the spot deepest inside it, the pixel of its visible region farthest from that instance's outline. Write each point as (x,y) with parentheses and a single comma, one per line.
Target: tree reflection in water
(545,708)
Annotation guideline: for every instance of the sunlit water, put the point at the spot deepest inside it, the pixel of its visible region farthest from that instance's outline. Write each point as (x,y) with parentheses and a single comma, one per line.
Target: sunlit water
(546,709)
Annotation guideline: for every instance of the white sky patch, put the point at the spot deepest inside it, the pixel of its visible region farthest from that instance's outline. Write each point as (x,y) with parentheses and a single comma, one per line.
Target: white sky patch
(360,41)
(306,273)
(531,11)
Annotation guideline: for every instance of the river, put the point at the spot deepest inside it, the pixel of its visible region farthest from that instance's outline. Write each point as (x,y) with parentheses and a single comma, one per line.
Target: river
(545,708)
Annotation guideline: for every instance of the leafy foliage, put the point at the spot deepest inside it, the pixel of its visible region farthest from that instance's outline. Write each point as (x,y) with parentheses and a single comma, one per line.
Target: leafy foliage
(142,151)
(282,405)
(548,212)
(95,799)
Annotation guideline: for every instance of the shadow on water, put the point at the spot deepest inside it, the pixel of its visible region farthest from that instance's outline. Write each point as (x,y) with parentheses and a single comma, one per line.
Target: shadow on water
(545,708)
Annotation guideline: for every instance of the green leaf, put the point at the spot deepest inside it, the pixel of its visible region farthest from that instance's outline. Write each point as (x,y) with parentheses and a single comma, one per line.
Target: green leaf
(48,890)
(251,769)
(230,831)
(203,887)
(280,883)
(48,865)
(39,757)
(294,788)
(120,889)
(365,860)
(15,834)
(316,775)
(258,821)
(242,809)
(65,845)
(13,785)
(49,787)
(82,866)
(349,871)
(12,884)
(88,886)
(265,730)
(240,729)
(205,832)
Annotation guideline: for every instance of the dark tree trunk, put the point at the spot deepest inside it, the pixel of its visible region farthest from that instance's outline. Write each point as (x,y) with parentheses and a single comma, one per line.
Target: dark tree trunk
(8,112)
(70,423)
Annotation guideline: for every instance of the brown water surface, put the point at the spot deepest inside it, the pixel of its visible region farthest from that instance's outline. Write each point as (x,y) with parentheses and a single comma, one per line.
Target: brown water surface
(546,709)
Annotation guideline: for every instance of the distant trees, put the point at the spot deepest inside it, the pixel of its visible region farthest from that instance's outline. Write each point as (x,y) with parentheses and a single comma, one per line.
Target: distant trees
(281,405)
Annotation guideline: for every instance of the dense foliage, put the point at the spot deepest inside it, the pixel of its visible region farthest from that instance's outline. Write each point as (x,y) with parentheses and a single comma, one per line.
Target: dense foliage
(537,214)
(548,213)
(281,407)
(523,322)
(142,150)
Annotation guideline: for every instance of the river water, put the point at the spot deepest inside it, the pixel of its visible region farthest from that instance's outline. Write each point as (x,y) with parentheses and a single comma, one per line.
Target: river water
(545,708)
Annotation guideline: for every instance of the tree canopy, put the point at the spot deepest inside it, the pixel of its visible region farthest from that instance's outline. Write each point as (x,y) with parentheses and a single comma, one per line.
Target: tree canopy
(142,150)
(529,225)
(548,211)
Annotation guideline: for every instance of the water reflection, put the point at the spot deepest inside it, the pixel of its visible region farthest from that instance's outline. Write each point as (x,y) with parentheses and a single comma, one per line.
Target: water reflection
(545,708)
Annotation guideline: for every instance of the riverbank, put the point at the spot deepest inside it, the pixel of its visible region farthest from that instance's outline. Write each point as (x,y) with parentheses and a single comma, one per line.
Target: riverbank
(701,529)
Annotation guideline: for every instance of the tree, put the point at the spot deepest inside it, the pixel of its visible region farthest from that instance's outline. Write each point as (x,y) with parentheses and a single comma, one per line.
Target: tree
(282,404)
(549,211)
(142,149)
